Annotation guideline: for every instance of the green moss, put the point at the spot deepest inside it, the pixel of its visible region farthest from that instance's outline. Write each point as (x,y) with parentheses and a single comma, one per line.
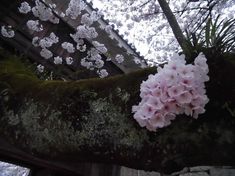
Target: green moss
(14,65)
(16,76)
(42,127)
(21,78)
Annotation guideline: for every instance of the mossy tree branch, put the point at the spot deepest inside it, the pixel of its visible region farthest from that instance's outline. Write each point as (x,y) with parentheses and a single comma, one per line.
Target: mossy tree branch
(91,120)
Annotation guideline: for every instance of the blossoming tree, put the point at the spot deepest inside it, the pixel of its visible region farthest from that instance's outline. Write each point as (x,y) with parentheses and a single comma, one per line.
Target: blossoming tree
(131,17)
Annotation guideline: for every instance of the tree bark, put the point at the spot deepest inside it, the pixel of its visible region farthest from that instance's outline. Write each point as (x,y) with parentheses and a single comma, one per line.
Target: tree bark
(91,121)
(174,25)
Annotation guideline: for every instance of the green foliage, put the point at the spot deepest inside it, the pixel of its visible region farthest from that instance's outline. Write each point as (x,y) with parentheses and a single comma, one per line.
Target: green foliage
(14,65)
(23,65)
(217,34)
(228,107)
(220,34)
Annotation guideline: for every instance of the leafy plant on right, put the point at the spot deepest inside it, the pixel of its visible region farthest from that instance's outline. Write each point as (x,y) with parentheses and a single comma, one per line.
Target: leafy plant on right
(217,34)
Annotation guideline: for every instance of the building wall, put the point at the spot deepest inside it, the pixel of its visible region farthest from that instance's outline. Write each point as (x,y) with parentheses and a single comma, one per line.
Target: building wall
(192,171)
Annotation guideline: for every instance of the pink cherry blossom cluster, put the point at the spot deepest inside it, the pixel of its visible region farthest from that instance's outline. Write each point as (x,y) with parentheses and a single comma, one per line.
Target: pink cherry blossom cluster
(177,88)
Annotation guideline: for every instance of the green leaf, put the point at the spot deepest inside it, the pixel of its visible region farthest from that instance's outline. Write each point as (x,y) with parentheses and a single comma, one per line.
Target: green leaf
(207,32)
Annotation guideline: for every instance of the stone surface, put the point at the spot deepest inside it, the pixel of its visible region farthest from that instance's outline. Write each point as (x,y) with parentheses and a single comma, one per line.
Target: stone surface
(183,171)
(200,168)
(132,172)
(195,174)
(222,172)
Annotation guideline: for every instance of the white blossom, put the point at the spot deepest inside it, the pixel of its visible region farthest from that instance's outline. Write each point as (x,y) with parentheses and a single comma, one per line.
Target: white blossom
(94,54)
(58,60)
(24,8)
(86,63)
(53,37)
(34,25)
(83,5)
(74,8)
(86,19)
(80,42)
(69,60)
(108,29)
(54,20)
(102,73)
(53,6)
(36,41)
(119,58)
(99,63)
(91,33)
(41,11)
(62,14)
(7,31)
(93,60)
(100,47)
(45,53)
(81,48)
(95,16)
(68,46)
(137,60)
(47,42)
(40,68)
(84,31)
(44,13)
(8,169)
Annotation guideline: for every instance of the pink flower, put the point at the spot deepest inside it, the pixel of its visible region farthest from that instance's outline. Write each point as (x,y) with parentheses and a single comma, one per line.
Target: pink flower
(158,121)
(197,111)
(200,60)
(135,108)
(168,118)
(200,100)
(188,109)
(165,97)
(184,98)
(157,92)
(147,111)
(145,92)
(171,77)
(155,103)
(175,90)
(150,127)
(173,65)
(187,81)
(170,107)
(186,71)
(138,117)
(180,59)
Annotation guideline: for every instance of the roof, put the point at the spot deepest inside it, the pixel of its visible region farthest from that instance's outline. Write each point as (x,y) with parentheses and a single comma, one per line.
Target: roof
(114,42)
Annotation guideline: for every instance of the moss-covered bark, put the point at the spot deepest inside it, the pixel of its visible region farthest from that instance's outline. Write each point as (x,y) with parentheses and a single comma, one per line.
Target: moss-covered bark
(91,120)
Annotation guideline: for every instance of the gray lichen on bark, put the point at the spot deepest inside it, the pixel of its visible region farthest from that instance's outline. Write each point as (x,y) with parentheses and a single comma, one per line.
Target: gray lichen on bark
(103,123)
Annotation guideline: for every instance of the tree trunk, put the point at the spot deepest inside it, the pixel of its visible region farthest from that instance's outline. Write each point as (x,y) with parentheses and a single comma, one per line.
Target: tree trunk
(58,123)
(174,25)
